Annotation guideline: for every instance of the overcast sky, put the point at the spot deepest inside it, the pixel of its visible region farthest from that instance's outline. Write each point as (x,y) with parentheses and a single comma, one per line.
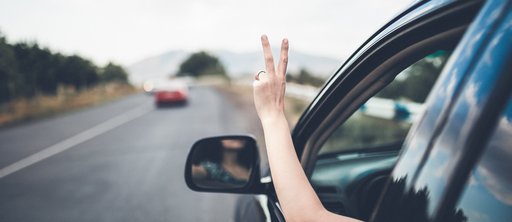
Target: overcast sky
(126,31)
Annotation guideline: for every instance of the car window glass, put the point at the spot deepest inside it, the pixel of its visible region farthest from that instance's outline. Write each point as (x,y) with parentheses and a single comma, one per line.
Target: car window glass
(384,120)
(488,192)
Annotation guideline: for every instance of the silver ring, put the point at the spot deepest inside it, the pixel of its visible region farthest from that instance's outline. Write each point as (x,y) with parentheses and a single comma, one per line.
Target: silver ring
(257,77)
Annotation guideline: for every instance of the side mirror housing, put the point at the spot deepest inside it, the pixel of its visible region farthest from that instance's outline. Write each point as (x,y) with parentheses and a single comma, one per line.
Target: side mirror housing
(225,164)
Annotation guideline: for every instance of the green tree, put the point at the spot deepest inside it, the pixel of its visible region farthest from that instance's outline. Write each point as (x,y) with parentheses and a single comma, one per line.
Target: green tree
(26,69)
(112,72)
(45,71)
(201,63)
(42,71)
(78,72)
(26,58)
(415,82)
(9,80)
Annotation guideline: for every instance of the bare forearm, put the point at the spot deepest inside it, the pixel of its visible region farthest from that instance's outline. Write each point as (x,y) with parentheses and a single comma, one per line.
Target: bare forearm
(297,197)
(293,189)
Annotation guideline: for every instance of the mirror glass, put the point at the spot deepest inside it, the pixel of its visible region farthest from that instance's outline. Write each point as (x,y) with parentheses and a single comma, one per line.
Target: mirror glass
(222,162)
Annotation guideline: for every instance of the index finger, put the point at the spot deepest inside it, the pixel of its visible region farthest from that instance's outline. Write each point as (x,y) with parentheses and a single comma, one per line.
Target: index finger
(267,54)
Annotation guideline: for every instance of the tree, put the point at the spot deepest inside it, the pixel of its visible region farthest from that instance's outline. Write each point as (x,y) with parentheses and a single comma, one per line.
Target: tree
(45,71)
(415,82)
(112,72)
(26,59)
(78,72)
(9,80)
(201,63)
(26,69)
(42,71)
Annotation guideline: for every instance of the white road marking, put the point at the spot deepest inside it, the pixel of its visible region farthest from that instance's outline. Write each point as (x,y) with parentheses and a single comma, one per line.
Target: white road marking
(77,139)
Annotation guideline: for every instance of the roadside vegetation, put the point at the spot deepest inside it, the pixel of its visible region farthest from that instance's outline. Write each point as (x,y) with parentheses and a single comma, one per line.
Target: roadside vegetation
(66,99)
(36,81)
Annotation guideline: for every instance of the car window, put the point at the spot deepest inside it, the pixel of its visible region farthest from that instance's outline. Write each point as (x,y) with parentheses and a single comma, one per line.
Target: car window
(384,120)
(487,195)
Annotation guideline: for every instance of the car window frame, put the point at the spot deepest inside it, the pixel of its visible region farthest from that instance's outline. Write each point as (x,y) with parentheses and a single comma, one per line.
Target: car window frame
(342,94)
(378,80)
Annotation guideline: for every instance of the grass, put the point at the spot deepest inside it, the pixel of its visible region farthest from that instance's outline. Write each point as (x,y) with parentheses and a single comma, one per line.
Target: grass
(66,99)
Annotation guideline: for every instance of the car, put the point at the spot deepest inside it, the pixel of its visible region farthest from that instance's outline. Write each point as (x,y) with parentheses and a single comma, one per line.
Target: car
(170,92)
(415,126)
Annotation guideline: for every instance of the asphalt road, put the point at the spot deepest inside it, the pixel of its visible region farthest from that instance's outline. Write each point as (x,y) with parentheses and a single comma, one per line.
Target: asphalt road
(121,161)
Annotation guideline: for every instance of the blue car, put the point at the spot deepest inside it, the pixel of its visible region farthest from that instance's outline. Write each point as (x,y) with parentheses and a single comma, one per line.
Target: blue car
(415,126)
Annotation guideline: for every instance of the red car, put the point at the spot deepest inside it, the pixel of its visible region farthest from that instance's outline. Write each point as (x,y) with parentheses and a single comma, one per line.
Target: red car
(171,93)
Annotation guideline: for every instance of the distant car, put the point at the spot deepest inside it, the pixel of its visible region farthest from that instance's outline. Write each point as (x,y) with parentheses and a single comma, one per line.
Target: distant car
(170,93)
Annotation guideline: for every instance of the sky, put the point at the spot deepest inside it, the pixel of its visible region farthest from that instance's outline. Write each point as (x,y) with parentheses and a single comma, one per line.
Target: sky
(126,31)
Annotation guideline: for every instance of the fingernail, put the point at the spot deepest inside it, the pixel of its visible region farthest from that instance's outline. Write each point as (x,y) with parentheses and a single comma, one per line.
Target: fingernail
(263,37)
(285,41)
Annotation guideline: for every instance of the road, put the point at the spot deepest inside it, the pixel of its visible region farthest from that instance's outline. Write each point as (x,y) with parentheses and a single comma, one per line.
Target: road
(122,161)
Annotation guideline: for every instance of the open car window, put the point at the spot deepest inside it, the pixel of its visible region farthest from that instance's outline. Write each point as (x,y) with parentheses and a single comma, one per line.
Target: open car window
(383,122)
(352,165)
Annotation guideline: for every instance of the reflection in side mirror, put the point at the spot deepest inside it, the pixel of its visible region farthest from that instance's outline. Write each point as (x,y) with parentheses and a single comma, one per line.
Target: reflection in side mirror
(223,164)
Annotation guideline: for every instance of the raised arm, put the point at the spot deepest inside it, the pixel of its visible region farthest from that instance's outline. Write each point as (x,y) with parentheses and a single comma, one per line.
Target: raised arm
(298,200)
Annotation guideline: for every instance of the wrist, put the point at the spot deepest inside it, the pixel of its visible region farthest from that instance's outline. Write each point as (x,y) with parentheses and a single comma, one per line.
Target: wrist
(271,119)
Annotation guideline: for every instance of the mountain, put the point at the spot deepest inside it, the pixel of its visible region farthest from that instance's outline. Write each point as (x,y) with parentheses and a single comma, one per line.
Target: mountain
(156,67)
(237,64)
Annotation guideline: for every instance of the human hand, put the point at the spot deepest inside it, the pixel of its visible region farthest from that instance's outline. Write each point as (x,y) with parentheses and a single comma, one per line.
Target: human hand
(269,87)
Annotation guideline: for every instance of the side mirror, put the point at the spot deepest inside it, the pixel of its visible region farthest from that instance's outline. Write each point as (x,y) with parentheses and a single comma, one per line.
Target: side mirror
(228,164)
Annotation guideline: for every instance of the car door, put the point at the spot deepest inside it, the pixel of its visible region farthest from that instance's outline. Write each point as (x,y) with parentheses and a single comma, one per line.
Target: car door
(342,161)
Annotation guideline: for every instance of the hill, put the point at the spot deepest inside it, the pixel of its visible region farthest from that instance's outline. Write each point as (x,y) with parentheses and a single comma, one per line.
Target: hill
(237,64)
